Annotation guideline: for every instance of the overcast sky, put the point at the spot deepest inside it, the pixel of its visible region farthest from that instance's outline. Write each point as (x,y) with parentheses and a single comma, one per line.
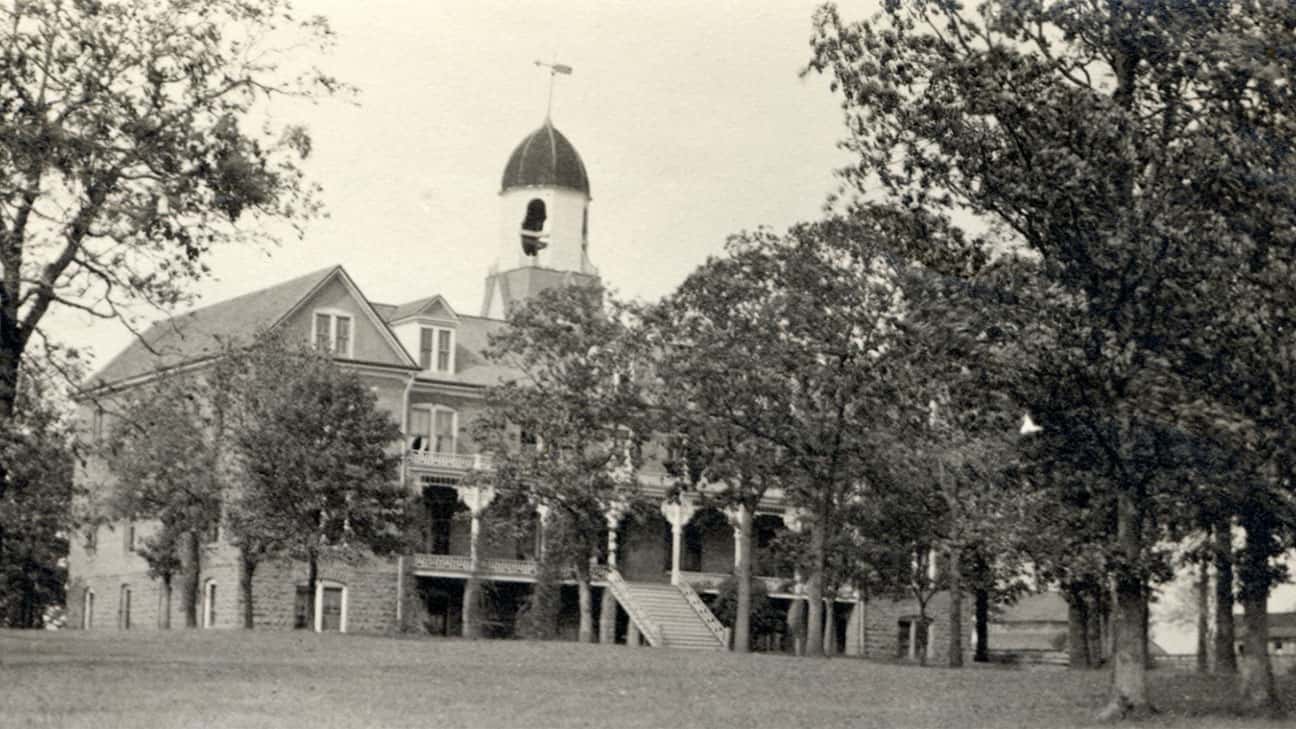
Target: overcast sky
(690,117)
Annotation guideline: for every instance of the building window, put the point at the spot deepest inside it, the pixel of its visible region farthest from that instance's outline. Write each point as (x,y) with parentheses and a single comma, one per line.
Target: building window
(128,538)
(433,429)
(332,332)
(444,436)
(92,539)
(533,228)
(209,605)
(124,608)
(212,533)
(436,349)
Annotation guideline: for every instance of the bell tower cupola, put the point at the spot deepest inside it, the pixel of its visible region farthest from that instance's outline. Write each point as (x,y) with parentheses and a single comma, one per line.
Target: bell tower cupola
(544,205)
(544,217)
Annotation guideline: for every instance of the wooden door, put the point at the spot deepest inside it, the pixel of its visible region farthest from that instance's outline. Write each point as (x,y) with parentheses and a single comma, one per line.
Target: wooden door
(331,619)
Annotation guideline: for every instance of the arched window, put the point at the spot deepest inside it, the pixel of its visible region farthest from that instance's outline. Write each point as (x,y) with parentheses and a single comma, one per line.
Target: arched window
(124,608)
(209,604)
(87,610)
(533,227)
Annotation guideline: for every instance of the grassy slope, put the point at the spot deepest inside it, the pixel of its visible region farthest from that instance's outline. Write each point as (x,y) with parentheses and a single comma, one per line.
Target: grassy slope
(234,679)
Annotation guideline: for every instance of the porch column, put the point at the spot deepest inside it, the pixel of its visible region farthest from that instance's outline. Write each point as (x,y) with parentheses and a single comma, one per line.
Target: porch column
(613,514)
(736,514)
(476,498)
(542,511)
(608,609)
(678,513)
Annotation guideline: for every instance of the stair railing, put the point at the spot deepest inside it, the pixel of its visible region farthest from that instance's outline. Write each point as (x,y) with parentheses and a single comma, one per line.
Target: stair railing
(709,619)
(650,630)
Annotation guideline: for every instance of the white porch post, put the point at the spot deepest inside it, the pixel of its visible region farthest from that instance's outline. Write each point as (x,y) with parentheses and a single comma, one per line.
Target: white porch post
(736,515)
(543,511)
(678,513)
(614,514)
(476,498)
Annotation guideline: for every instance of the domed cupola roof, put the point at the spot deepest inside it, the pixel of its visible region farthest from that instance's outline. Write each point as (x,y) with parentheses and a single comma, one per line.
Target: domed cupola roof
(545,159)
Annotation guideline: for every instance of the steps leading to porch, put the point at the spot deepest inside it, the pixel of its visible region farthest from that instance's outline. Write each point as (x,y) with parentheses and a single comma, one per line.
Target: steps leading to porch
(667,608)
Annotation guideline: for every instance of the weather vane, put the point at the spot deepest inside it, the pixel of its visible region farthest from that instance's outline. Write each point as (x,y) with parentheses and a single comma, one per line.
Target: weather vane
(555,68)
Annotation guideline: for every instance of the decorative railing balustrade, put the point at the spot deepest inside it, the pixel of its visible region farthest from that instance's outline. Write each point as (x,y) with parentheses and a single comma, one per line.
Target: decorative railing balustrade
(450,461)
(491,566)
(462,563)
(650,630)
(708,618)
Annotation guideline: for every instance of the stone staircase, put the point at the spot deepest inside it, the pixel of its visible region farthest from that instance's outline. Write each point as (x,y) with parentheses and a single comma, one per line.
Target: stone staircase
(675,617)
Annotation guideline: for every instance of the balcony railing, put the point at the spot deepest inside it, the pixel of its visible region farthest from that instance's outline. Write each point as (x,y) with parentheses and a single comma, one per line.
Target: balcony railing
(450,461)
(458,564)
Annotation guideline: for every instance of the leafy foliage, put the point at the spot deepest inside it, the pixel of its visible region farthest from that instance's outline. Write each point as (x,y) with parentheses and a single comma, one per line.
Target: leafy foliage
(36,514)
(126,155)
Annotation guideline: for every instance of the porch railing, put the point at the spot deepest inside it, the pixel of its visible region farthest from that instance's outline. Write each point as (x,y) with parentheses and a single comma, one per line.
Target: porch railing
(450,461)
(713,624)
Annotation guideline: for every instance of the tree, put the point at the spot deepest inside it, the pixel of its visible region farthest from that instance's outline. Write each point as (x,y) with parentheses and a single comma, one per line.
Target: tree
(166,461)
(126,154)
(737,467)
(1084,129)
(319,462)
(576,400)
(791,346)
(37,453)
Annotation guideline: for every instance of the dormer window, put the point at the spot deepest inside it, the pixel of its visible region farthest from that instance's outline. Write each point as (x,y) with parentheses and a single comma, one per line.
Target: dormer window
(332,332)
(436,349)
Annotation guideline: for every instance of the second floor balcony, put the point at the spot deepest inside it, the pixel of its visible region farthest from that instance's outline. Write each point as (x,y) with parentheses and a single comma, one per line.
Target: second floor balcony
(454,463)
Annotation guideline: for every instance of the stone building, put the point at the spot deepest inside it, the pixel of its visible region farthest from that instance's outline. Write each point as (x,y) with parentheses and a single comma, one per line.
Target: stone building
(424,361)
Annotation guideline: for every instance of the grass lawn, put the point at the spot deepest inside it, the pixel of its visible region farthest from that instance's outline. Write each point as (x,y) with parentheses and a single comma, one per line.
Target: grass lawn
(236,679)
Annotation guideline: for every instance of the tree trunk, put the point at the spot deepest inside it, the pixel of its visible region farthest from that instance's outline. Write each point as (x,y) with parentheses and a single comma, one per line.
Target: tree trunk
(607,617)
(955,609)
(1148,661)
(586,634)
(830,625)
(815,591)
(1225,656)
(1077,629)
(1094,645)
(922,646)
(191,579)
(796,625)
(1256,691)
(1129,692)
(471,607)
(743,573)
(1203,615)
(312,577)
(246,572)
(164,616)
(982,610)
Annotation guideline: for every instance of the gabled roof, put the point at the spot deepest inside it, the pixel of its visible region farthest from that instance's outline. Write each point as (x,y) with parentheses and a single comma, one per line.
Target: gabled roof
(1041,607)
(197,334)
(432,306)
(1281,625)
